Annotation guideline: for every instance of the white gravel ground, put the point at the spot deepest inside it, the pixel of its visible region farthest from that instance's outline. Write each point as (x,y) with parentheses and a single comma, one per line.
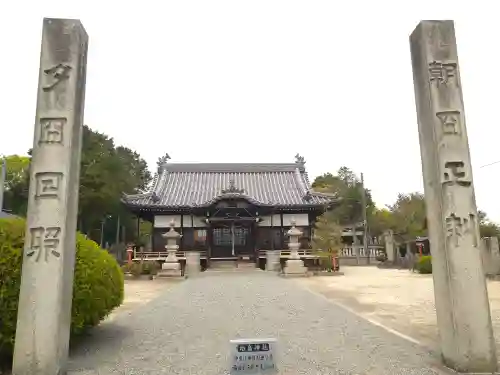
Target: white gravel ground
(187,328)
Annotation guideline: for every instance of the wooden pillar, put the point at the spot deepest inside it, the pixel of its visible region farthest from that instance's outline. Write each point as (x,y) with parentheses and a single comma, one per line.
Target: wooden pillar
(138,227)
(153,236)
(282,232)
(209,242)
(272,229)
(181,242)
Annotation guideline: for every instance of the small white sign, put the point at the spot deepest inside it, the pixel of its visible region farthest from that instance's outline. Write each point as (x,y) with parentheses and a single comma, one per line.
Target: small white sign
(253,356)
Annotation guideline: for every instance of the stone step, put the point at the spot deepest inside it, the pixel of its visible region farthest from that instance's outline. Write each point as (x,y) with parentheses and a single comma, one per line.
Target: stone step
(246,265)
(223,264)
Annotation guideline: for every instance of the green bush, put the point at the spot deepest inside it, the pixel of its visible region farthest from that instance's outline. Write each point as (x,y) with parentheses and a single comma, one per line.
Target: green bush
(424,264)
(150,267)
(97,288)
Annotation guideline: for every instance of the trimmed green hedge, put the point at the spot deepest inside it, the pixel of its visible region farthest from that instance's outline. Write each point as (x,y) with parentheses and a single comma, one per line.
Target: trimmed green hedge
(424,264)
(97,288)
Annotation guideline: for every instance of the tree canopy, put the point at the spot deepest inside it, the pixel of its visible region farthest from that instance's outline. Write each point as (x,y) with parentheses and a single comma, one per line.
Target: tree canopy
(406,217)
(347,186)
(107,171)
(16,187)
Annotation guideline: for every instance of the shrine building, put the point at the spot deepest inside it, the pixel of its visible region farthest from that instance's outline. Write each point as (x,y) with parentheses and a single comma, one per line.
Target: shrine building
(229,211)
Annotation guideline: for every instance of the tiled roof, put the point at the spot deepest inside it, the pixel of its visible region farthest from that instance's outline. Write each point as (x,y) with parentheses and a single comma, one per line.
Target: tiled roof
(185,185)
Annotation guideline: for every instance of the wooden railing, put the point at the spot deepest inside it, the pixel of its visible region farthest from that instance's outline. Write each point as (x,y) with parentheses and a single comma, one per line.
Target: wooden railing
(162,255)
(347,252)
(303,253)
(351,251)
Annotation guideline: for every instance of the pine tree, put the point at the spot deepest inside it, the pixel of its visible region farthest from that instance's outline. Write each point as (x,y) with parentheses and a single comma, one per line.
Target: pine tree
(327,240)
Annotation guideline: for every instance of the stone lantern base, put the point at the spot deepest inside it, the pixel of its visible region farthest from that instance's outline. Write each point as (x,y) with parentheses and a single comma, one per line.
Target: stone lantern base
(295,267)
(171,269)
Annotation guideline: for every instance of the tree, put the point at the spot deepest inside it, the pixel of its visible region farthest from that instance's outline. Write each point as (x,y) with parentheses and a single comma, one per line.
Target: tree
(487,228)
(347,186)
(327,239)
(409,218)
(380,221)
(16,186)
(107,171)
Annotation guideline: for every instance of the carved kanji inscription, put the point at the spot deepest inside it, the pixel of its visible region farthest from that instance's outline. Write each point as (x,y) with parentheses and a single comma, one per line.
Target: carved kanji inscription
(442,73)
(450,121)
(48,184)
(44,241)
(56,75)
(457,227)
(52,130)
(455,174)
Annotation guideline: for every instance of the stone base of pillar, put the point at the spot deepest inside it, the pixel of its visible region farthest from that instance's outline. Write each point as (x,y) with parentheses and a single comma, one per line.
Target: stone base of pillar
(193,267)
(272,260)
(295,267)
(170,270)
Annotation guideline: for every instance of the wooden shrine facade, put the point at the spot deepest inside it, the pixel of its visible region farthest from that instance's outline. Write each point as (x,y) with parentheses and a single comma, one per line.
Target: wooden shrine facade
(230,211)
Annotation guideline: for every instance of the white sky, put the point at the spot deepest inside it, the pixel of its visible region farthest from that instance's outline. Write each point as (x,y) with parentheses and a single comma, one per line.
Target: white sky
(258,81)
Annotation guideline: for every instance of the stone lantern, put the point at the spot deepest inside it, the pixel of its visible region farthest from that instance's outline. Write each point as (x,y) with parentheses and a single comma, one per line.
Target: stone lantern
(294,265)
(171,267)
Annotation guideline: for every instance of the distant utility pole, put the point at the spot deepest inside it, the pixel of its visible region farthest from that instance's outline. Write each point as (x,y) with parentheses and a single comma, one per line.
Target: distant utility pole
(2,181)
(365,221)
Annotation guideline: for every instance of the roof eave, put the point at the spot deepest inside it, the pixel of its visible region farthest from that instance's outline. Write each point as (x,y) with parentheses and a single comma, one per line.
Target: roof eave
(158,207)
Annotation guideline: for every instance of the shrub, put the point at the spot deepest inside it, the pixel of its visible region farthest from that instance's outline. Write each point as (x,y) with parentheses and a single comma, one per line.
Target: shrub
(97,288)
(424,264)
(150,267)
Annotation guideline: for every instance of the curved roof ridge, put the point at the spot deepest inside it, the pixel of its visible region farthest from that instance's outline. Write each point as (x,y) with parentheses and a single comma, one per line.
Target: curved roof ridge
(300,182)
(228,195)
(230,167)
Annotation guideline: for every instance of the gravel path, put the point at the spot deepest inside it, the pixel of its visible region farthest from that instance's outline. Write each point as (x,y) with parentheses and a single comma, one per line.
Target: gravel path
(186,330)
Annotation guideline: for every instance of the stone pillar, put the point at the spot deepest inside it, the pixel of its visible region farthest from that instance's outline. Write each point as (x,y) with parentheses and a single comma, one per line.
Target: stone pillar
(495,255)
(44,313)
(356,247)
(193,266)
(409,258)
(462,305)
(272,260)
(389,245)
(485,255)
(171,267)
(490,256)
(294,266)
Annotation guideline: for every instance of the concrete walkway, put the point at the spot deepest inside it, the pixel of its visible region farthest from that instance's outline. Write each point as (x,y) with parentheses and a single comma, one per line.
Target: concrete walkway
(186,330)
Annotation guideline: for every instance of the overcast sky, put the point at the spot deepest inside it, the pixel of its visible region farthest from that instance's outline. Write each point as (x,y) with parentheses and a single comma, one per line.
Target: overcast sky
(258,81)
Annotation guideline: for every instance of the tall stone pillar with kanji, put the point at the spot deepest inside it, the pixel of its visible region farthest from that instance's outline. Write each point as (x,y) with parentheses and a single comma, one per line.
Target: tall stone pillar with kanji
(44,312)
(462,306)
